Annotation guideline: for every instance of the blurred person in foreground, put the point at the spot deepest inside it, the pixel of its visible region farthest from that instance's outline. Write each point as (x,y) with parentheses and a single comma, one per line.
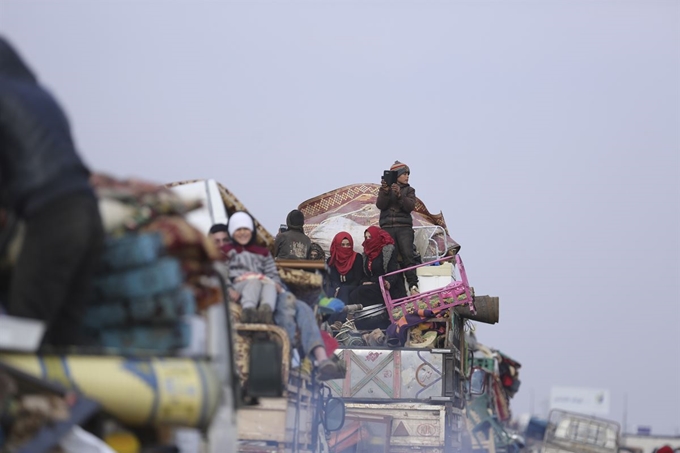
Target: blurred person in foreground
(45,183)
(665,449)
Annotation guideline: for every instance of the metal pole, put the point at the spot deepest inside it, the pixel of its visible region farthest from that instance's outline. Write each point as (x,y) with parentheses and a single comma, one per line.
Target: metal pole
(625,413)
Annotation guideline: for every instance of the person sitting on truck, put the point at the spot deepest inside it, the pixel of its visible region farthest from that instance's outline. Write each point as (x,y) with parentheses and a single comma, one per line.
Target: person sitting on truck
(346,266)
(380,258)
(219,233)
(292,313)
(46,184)
(292,244)
(396,202)
(252,271)
(316,252)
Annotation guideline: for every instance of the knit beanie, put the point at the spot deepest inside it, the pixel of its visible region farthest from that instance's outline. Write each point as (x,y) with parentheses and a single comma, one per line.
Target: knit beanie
(295,219)
(399,168)
(240,220)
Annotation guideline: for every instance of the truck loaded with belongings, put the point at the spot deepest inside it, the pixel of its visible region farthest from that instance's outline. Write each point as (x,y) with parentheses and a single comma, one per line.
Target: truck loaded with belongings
(408,362)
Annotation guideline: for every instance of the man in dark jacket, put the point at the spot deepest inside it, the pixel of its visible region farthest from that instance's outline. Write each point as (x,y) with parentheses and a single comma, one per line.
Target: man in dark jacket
(46,184)
(396,203)
(293,244)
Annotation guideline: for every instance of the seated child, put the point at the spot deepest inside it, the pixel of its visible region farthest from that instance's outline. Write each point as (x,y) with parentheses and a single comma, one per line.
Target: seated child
(252,271)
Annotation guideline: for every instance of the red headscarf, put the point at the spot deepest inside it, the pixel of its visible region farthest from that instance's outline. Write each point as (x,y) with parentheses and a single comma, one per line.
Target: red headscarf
(379,239)
(342,257)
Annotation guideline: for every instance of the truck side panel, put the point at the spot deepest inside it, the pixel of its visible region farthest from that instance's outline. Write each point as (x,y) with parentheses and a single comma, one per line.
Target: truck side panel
(385,374)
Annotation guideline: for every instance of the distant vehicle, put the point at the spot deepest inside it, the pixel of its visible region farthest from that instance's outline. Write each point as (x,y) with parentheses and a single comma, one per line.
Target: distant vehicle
(569,432)
(488,408)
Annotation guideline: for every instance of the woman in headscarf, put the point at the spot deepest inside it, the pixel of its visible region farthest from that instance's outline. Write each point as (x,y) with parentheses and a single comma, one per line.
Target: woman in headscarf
(346,267)
(316,252)
(380,258)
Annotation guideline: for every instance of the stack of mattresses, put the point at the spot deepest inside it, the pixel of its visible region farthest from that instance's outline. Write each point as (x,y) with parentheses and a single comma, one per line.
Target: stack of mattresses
(141,301)
(133,206)
(156,278)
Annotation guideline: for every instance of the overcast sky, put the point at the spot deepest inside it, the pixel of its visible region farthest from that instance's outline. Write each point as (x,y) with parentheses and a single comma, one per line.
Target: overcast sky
(548,133)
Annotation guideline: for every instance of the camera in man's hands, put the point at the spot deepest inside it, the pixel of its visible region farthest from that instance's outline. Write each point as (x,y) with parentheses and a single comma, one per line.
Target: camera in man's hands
(390,176)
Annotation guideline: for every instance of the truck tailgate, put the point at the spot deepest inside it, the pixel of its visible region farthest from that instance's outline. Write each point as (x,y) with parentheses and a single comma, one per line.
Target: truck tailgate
(413,424)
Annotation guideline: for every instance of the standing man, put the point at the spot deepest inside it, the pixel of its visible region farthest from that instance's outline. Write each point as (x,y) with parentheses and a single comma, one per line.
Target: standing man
(46,184)
(396,202)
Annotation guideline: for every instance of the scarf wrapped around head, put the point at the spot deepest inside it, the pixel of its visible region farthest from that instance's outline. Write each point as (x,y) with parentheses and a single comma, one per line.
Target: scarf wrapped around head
(379,239)
(315,248)
(342,258)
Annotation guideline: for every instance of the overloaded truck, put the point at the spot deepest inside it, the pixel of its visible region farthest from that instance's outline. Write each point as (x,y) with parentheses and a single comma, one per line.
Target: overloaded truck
(220,385)
(494,380)
(405,397)
(408,394)
(158,361)
(168,355)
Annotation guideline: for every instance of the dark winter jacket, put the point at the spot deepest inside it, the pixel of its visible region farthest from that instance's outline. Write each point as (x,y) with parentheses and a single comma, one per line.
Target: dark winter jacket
(38,160)
(395,211)
(292,244)
(352,278)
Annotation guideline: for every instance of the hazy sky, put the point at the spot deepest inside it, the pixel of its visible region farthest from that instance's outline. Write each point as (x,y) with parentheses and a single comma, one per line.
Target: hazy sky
(548,133)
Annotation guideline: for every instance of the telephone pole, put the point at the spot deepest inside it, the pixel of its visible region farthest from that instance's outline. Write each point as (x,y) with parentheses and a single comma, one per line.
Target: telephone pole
(625,413)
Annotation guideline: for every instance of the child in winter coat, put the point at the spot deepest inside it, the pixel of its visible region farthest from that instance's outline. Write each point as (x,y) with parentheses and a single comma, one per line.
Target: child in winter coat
(252,271)
(396,202)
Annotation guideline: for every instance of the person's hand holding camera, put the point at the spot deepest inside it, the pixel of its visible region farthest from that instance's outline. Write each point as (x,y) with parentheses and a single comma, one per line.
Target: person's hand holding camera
(384,187)
(395,190)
